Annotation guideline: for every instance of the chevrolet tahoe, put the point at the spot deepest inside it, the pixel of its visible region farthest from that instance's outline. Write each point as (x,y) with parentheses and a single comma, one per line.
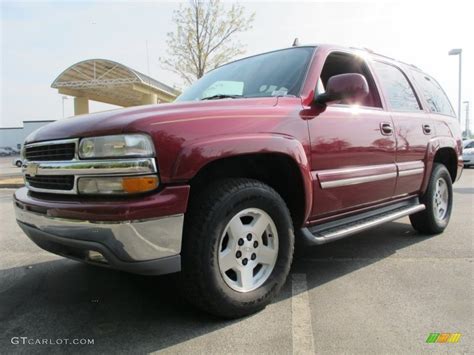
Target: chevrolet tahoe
(308,143)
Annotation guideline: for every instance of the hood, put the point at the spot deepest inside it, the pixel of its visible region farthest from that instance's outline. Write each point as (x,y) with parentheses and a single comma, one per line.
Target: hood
(137,119)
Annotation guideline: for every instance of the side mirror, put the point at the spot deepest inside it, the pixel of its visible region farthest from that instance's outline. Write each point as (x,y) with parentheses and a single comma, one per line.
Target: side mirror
(344,86)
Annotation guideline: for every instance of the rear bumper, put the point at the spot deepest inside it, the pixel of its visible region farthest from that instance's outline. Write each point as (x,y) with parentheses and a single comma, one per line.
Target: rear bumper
(147,243)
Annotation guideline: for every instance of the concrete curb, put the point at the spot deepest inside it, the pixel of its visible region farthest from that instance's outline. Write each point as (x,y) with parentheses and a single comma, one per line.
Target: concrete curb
(11,186)
(11,182)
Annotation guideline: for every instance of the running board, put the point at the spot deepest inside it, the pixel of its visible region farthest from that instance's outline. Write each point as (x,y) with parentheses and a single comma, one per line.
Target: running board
(319,235)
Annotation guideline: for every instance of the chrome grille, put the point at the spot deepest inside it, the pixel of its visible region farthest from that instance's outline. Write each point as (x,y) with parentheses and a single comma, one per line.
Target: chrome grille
(50,152)
(54,166)
(65,182)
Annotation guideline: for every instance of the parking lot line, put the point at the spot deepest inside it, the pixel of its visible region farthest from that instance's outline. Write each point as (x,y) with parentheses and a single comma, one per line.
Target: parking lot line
(302,329)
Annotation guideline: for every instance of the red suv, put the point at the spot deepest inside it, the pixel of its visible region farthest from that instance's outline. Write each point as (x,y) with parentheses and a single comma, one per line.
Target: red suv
(309,142)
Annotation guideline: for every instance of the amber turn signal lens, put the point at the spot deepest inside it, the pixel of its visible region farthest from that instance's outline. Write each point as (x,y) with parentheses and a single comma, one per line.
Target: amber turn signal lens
(139,184)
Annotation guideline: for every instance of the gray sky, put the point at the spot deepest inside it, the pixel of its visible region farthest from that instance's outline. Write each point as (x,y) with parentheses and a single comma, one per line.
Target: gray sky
(41,39)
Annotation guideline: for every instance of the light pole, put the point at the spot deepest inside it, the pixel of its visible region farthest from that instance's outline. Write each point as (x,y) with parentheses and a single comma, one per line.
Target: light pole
(64,98)
(468,131)
(458,51)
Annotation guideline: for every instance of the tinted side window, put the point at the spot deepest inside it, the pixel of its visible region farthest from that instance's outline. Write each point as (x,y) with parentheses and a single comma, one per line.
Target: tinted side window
(434,95)
(397,89)
(343,63)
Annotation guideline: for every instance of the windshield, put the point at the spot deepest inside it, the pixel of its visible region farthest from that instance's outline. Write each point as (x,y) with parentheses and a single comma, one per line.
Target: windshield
(277,73)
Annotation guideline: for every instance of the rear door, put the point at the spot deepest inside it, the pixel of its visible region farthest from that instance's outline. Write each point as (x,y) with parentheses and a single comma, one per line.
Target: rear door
(352,146)
(413,126)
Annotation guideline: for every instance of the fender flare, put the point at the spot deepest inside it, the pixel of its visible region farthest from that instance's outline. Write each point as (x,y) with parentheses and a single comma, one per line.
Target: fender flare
(197,154)
(434,145)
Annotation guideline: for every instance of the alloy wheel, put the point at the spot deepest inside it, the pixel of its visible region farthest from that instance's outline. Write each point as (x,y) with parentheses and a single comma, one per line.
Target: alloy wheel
(248,250)
(441,199)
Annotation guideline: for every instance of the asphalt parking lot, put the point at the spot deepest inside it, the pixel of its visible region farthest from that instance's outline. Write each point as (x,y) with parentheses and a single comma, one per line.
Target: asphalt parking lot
(380,291)
(7,168)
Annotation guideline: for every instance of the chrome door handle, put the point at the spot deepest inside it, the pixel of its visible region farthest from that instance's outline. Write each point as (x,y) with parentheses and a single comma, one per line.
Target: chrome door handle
(426,129)
(386,128)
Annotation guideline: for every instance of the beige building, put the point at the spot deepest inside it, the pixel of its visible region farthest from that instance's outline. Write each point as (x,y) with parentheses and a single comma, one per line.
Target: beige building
(110,82)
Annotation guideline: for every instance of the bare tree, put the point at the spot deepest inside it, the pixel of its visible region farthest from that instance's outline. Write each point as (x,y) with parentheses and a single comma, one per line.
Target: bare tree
(203,38)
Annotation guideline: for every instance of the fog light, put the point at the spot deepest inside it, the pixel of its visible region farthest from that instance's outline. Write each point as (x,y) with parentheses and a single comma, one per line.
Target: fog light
(117,185)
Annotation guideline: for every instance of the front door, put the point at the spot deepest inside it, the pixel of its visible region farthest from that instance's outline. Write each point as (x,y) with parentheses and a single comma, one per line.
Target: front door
(352,147)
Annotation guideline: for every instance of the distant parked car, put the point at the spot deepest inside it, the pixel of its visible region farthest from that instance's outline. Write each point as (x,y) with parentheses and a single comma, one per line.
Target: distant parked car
(17,162)
(468,152)
(4,152)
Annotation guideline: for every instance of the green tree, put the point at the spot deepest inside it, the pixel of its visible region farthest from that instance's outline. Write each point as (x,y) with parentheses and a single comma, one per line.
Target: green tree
(204,37)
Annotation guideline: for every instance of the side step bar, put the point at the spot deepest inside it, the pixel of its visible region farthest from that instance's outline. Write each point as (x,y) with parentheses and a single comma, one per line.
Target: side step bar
(319,235)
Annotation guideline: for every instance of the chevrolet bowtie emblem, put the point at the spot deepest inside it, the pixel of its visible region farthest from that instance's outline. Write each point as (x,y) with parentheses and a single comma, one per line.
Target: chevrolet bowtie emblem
(31,169)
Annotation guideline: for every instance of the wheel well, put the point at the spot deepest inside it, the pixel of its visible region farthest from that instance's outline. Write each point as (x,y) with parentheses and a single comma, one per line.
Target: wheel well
(276,170)
(447,157)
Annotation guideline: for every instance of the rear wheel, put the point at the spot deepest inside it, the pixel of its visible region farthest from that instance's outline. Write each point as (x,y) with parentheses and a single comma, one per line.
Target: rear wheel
(438,200)
(237,248)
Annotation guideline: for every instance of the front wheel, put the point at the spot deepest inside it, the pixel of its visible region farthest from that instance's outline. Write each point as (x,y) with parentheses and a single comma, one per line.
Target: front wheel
(237,248)
(438,200)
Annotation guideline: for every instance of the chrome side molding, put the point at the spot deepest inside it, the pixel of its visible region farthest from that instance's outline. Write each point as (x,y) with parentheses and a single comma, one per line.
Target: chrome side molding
(357,180)
(363,174)
(411,172)
(410,168)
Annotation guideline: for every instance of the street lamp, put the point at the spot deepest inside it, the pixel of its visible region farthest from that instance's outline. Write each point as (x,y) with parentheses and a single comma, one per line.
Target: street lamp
(458,51)
(468,130)
(64,98)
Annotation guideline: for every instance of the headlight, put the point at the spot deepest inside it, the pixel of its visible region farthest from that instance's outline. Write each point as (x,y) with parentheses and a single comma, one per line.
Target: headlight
(127,145)
(117,185)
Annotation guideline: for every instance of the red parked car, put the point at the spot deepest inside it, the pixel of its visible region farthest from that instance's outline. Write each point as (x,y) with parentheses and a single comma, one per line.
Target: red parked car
(309,142)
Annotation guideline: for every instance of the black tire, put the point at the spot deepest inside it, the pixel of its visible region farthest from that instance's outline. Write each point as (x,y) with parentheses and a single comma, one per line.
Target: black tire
(19,164)
(426,221)
(210,211)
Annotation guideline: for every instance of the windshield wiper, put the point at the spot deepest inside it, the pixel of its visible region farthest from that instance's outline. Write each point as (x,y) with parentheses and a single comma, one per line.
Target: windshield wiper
(221,96)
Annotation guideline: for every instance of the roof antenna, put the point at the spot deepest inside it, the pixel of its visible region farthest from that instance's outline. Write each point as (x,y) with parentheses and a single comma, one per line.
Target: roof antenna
(296,42)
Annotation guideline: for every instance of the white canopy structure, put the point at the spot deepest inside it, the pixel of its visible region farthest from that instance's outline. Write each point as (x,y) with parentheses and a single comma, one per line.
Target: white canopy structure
(107,81)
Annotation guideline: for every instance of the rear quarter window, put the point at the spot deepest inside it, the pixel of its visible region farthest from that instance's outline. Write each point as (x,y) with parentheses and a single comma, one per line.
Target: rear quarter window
(398,90)
(434,95)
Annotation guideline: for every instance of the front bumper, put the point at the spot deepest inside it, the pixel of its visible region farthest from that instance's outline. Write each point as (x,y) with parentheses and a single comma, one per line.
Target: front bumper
(80,250)
(150,245)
